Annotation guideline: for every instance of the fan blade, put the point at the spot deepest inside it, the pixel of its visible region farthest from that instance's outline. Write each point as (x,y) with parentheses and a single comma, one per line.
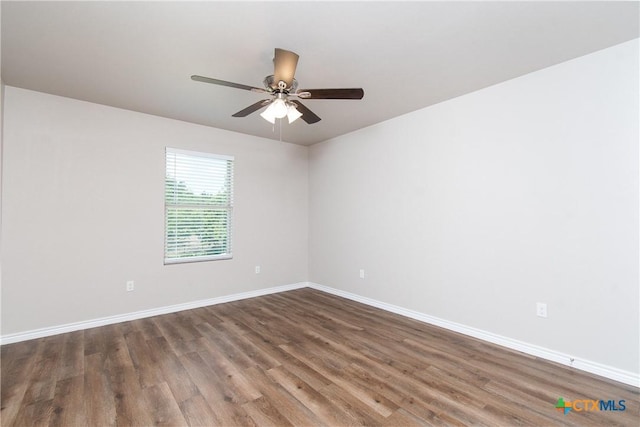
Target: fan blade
(228,84)
(284,64)
(251,108)
(307,115)
(355,93)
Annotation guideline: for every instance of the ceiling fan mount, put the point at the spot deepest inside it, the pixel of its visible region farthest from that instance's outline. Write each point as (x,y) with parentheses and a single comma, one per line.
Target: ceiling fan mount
(281,85)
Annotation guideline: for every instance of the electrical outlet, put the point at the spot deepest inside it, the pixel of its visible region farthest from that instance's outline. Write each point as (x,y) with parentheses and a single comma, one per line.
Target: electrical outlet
(541,309)
(130,285)
(257,269)
(361,273)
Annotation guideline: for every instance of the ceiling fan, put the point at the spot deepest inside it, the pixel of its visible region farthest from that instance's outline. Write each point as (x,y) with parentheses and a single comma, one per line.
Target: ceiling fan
(282,86)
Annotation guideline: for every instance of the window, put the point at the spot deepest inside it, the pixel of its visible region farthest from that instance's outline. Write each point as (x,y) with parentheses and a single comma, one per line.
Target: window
(198,195)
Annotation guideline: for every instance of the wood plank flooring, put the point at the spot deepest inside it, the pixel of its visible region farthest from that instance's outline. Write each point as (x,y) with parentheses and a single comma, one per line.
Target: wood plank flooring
(298,358)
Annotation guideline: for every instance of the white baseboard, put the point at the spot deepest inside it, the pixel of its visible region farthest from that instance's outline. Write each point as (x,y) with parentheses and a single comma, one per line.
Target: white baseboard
(615,374)
(77,326)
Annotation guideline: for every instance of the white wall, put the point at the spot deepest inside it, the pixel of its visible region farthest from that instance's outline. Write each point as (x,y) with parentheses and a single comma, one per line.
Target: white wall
(83,212)
(475,209)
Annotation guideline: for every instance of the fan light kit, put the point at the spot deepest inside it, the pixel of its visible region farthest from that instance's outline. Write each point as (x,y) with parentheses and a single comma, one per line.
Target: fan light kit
(279,108)
(282,85)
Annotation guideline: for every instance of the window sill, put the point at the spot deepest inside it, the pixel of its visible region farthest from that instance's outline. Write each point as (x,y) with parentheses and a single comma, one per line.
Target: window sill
(172,261)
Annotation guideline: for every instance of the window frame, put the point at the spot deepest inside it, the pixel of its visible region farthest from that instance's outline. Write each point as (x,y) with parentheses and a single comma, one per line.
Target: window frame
(228,207)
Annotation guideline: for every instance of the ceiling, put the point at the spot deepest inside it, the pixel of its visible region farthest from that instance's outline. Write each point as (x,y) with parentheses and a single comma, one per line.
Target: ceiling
(405,55)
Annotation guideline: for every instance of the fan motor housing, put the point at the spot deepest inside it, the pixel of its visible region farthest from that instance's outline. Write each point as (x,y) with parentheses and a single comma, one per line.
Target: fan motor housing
(281,86)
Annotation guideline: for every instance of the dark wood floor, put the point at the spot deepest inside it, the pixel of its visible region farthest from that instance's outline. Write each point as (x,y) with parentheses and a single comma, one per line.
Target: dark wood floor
(301,358)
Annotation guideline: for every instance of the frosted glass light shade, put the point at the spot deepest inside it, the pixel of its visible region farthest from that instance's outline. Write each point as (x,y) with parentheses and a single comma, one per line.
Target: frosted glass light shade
(276,110)
(268,116)
(293,114)
(279,108)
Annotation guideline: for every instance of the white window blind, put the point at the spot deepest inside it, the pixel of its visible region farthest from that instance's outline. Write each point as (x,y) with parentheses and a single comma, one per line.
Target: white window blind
(198,206)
